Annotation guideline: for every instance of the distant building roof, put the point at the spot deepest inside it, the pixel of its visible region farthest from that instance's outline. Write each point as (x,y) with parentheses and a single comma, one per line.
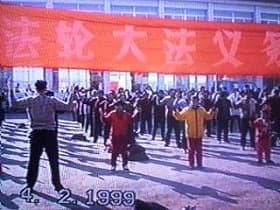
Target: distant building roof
(264,1)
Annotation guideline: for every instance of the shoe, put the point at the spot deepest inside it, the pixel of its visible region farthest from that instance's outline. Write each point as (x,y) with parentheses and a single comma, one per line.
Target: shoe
(270,162)
(260,162)
(125,168)
(113,168)
(58,188)
(166,145)
(200,167)
(192,167)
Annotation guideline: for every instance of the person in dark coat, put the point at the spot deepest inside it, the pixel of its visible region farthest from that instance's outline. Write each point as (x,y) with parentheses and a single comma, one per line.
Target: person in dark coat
(223,106)
(159,115)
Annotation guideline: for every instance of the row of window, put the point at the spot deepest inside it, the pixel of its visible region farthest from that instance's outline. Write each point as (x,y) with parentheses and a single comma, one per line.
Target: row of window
(169,12)
(25,76)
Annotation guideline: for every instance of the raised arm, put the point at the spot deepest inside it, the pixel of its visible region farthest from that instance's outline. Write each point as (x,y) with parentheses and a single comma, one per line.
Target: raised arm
(62,105)
(208,115)
(20,103)
(182,115)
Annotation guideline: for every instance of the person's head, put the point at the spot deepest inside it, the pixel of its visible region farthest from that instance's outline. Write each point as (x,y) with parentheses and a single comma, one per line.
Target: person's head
(194,101)
(145,95)
(249,94)
(172,92)
(120,90)
(202,89)
(76,89)
(110,96)
(100,93)
(41,86)
(122,98)
(119,106)
(160,93)
(223,94)
(206,94)
(178,94)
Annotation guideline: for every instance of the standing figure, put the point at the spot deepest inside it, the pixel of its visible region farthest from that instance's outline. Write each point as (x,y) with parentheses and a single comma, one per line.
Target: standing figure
(107,108)
(223,106)
(274,103)
(2,107)
(263,137)
(194,117)
(121,121)
(43,136)
(159,115)
(247,107)
(170,102)
(145,105)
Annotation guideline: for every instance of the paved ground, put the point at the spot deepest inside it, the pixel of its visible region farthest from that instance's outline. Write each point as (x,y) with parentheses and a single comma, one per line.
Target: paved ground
(231,178)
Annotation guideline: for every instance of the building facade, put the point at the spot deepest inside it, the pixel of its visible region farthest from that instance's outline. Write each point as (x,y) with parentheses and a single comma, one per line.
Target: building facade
(266,12)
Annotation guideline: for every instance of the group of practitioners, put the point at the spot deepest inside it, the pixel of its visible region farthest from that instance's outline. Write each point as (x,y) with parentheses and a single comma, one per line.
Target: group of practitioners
(120,116)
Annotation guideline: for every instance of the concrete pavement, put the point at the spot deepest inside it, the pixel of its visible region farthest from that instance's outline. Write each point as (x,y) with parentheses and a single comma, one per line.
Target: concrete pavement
(231,178)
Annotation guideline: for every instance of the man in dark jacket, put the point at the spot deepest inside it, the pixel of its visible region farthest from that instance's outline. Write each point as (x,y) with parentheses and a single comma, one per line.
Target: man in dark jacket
(223,106)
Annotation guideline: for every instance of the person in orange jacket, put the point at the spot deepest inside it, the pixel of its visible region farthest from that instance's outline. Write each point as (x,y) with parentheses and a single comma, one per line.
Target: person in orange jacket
(194,117)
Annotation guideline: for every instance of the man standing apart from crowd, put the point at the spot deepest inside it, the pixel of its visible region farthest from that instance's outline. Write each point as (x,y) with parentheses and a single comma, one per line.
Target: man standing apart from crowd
(43,136)
(121,121)
(194,117)
(263,137)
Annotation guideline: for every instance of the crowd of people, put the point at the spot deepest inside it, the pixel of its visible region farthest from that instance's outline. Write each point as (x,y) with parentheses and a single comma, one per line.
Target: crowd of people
(234,111)
(123,115)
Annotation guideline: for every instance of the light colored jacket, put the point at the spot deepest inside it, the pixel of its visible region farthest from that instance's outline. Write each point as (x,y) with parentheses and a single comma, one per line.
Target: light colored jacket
(194,120)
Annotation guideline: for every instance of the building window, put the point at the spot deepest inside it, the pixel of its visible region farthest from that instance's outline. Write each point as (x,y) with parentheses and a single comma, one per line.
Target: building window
(91,7)
(69,77)
(185,13)
(65,6)
(168,81)
(243,16)
(27,76)
(123,10)
(119,80)
(28,3)
(196,14)
(222,15)
(153,80)
(197,81)
(270,18)
(146,11)
(201,80)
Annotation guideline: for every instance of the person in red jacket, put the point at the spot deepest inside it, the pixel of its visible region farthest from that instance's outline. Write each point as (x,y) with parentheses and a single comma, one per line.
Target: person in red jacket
(263,137)
(120,121)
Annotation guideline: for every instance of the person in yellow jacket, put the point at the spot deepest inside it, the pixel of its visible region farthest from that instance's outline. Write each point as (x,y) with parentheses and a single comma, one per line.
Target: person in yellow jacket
(194,117)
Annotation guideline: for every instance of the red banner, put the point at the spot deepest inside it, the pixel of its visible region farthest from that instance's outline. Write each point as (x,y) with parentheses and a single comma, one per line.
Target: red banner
(66,39)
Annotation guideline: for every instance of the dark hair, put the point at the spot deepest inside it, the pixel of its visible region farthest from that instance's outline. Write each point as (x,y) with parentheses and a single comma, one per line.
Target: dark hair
(119,103)
(194,97)
(41,85)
